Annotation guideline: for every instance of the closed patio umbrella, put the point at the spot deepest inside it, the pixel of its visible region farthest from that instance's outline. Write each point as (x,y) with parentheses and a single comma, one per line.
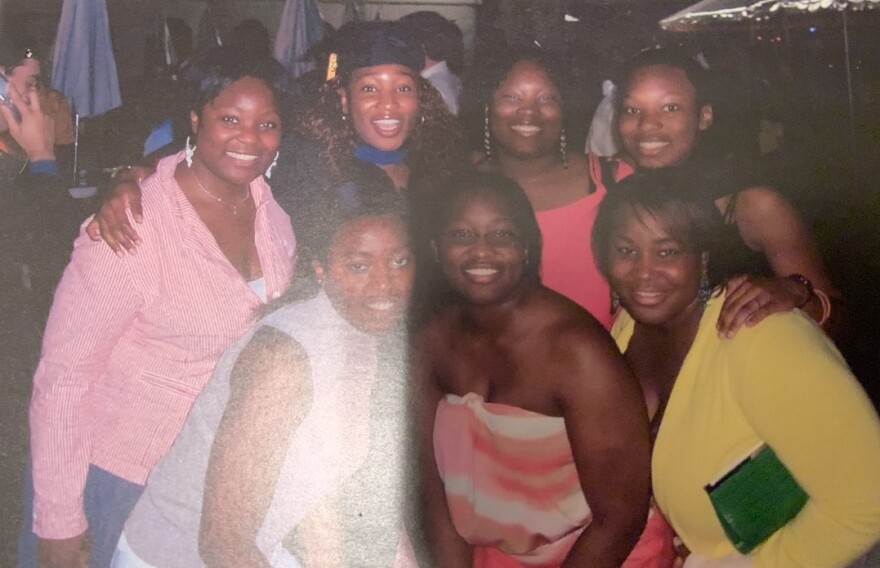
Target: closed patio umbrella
(300,28)
(84,68)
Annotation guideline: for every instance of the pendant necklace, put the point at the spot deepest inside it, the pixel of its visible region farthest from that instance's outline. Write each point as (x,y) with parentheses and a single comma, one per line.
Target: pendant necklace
(220,199)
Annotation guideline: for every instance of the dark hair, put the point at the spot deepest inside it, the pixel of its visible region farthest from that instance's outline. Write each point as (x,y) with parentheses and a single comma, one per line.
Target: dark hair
(669,57)
(218,68)
(511,195)
(14,50)
(498,69)
(441,38)
(437,142)
(368,193)
(694,223)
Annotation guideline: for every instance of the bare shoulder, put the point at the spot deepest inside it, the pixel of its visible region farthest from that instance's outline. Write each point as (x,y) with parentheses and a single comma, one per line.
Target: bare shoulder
(569,333)
(760,202)
(579,361)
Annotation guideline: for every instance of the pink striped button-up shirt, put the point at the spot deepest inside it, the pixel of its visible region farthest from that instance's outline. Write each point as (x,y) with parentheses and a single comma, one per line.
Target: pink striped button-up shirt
(131,342)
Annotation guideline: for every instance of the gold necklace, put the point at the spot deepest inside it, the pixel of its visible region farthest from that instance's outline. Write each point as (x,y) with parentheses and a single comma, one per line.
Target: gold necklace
(220,199)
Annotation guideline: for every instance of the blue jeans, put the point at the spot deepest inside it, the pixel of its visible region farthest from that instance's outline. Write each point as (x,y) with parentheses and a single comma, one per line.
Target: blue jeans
(107,499)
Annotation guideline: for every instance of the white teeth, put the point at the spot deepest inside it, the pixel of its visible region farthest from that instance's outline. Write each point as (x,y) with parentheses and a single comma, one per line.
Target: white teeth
(481,271)
(652,145)
(237,156)
(526,129)
(387,123)
(381,306)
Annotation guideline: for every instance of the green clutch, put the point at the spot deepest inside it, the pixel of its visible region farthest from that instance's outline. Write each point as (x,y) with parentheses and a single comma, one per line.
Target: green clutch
(755,498)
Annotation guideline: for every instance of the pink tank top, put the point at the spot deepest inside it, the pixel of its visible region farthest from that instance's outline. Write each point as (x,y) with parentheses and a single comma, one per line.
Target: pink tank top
(567,264)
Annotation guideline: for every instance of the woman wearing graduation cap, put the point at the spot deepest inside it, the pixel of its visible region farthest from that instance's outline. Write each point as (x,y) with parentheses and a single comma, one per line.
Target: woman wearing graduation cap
(373,108)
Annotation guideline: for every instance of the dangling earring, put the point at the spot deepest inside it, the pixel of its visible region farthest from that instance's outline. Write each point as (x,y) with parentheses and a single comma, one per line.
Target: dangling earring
(615,302)
(422,120)
(272,166)
(562,149)
(189,152)
(705,291)
(487,135)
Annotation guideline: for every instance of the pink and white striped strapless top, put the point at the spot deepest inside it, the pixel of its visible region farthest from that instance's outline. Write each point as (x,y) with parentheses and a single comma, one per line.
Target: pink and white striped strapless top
(511,483)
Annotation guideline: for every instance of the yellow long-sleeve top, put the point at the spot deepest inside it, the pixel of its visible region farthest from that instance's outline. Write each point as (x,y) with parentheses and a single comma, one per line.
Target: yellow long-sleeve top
(781,382)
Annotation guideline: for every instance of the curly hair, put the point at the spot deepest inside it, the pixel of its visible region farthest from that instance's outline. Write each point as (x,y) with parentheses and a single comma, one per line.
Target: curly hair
(437,141)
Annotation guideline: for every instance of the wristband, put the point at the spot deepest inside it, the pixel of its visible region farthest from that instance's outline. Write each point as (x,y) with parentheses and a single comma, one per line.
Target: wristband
(805,282)
(826,305)
(44,167)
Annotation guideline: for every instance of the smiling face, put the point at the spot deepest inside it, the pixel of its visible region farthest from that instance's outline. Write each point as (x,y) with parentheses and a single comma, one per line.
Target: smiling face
(481,250)
(238,132)
(525,115)
(656,276)
(383,102)
(660,118)
(368,273)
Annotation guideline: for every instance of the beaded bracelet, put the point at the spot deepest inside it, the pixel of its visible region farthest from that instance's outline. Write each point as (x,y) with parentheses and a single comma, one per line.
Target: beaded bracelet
(805,282)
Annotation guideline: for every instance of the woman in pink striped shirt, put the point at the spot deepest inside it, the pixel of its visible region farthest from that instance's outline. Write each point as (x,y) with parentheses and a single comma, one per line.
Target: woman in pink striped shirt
(131,341)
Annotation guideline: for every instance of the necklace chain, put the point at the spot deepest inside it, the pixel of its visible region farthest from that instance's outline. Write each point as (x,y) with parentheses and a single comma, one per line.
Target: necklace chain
(219,199)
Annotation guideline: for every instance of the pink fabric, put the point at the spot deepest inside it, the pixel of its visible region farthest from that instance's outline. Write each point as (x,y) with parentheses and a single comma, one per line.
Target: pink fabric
(567,264)
(655,547)
(511,483)
(131,342)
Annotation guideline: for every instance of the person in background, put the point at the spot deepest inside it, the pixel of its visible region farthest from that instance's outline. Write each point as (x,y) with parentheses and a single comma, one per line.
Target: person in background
(20,67)
(444,49)
(779,384)
(36,229)
(534,436)
(131,341)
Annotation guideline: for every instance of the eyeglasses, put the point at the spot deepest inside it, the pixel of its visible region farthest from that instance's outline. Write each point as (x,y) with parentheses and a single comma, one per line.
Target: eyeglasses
(465,237)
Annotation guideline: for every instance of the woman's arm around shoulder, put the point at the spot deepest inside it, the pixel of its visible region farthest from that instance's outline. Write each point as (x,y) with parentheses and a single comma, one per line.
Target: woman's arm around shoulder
(769,224)
(797,394)
(607,425)
(270,395)
(446,547)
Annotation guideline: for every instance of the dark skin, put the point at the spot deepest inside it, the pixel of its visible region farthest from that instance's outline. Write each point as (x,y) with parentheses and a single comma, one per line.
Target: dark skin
(237,135)
(234,234)
(517,343)
(660,104)
(253,434)
(542,353)
(123,194)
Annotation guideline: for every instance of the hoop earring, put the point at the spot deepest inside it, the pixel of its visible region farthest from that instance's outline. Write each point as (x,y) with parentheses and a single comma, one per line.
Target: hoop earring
(562,149)
(487,134)
(189,152)
(272,165)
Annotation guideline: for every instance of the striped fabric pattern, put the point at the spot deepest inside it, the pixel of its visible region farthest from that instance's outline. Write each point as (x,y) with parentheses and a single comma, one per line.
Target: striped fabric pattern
(510,480)
(131,342)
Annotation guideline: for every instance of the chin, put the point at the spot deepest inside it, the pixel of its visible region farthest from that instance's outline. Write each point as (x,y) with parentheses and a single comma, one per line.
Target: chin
(373,325)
